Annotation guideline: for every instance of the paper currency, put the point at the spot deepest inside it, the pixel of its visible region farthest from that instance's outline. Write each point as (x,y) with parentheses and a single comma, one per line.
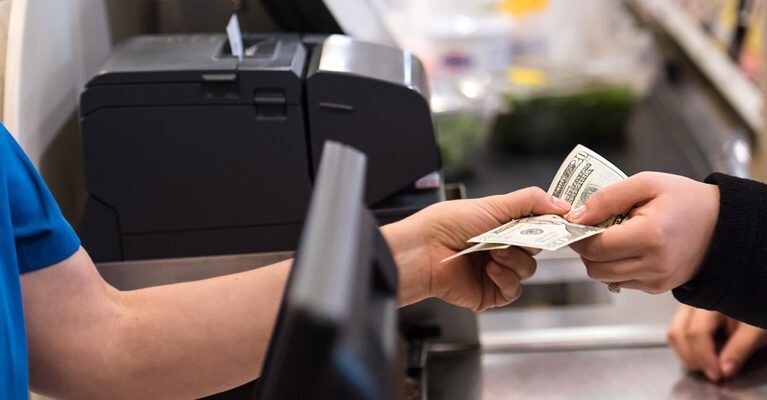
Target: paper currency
(546,232)
(479,247)
(581,174)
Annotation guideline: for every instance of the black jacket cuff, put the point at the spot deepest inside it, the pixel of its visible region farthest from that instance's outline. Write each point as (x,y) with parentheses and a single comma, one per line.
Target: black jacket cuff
(732,276)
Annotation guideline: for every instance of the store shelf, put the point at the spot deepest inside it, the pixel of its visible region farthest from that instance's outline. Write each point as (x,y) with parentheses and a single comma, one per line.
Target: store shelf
(743,95)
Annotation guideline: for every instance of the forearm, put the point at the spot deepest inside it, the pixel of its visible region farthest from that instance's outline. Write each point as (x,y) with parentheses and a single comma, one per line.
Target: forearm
(412,259)
(734,272)
(219,329)
(176,341)
(210,334)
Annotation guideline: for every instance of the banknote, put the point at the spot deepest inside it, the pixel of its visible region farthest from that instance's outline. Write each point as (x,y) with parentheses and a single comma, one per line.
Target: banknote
(582,173)
(545,232)
(479,247)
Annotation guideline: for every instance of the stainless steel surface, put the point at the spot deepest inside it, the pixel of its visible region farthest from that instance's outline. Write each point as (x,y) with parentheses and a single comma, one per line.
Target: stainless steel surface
(635,373)
(390,64)
(577,313)
(457,326)
(129,275)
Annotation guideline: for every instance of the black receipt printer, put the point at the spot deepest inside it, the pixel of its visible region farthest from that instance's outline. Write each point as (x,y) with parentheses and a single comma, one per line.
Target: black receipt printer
(189,151)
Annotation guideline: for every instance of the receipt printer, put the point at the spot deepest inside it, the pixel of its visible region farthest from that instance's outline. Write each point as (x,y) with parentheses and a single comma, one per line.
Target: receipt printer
(190,151)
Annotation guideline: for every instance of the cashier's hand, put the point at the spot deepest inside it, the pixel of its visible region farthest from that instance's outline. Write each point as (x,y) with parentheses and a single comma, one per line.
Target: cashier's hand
(692,336)
(477,281)
(663,243)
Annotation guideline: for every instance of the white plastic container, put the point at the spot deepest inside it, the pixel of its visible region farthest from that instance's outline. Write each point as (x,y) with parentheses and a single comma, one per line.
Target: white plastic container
(464,43)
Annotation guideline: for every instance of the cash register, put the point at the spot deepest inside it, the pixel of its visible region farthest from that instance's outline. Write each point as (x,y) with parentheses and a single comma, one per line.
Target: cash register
(189,151)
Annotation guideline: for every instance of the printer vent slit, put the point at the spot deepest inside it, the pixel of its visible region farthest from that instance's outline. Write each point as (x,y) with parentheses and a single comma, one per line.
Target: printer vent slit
(336,106)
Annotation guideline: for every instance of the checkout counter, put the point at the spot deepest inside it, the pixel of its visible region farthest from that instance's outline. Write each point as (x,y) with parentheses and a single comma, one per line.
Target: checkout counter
(567,337)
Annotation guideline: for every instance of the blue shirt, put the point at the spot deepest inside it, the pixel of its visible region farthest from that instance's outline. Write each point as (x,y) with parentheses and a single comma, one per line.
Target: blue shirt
(33,235)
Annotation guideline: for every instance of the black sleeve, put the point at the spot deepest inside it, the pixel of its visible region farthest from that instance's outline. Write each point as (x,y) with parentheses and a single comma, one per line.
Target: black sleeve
(733,276)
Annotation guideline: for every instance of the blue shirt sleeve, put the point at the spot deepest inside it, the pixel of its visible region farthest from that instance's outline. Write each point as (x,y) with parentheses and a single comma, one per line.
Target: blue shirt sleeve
(42,236)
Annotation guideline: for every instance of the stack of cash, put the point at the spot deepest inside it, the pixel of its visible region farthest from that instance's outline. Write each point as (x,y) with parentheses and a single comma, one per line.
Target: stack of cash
(581,174)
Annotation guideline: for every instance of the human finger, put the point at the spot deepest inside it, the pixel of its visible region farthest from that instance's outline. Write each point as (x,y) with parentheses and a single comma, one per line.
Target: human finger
(700,338)
(740,345)
(615,199)
(530,250)
(515,259)
(676,335)
(507,283)
(614,271)
(521,203)
(615,243)
(730,325)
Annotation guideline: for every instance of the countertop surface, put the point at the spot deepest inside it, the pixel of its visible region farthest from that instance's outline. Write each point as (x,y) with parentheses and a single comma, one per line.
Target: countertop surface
(629,373)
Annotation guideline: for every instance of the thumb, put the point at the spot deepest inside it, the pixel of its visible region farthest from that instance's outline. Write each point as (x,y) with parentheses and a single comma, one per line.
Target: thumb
(522,203)
(615,199)
(744,341)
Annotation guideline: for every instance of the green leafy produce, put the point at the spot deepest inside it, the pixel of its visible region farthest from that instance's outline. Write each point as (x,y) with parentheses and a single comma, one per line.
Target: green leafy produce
(459,134)
(554,121)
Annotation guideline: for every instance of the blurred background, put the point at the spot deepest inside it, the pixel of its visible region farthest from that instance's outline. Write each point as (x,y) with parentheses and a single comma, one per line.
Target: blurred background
(666,85)
(659,85)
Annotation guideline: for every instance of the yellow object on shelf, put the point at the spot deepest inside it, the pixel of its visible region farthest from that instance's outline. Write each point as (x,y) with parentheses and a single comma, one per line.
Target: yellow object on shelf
(526,76)
(519,8)
(751,57)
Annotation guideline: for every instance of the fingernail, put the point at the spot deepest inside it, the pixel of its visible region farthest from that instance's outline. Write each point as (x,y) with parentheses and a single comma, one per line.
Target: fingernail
(560,203)
(728,369)
(712,375)
(577,212)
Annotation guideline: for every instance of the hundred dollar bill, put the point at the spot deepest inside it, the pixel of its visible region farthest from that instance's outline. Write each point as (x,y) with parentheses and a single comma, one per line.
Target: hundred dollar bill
(581,174)
(545,232)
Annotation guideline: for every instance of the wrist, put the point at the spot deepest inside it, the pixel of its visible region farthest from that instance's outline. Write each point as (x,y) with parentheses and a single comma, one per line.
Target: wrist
(709,216)
(412,258)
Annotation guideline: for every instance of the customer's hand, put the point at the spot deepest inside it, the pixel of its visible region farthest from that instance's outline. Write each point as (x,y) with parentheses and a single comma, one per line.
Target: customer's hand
(663,243)
(477,281)
(691,335)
